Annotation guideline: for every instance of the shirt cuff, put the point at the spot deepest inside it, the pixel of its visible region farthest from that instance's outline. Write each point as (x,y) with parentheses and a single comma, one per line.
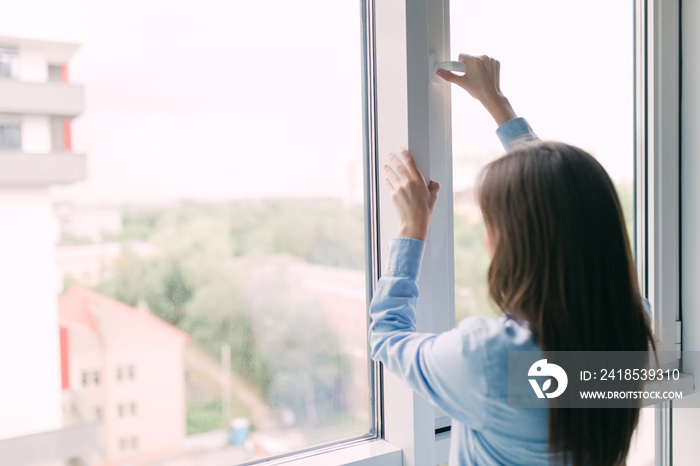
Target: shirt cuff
(405,256)
(514,132)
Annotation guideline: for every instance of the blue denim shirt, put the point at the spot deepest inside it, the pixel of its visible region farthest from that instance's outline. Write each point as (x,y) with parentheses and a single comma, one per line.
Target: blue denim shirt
(462,371)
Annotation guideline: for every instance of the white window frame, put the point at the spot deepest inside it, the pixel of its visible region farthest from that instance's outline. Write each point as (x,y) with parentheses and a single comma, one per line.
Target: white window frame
(414,113)
(685,421)
(404,108)
(657,147)
(657,193)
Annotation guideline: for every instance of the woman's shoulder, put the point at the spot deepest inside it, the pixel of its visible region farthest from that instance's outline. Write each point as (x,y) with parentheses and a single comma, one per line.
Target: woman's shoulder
(492,339)
(500,333)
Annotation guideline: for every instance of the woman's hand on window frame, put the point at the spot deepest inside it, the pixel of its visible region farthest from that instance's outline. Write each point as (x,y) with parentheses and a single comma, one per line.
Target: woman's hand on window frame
(413,198)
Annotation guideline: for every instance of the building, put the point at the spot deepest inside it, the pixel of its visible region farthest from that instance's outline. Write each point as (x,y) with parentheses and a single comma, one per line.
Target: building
(88,223)
(37,104)
(129,366)
(91,263)
(36,109)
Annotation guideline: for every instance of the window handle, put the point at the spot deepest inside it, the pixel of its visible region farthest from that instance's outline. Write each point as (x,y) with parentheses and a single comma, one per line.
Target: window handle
(435,65)
(457,66)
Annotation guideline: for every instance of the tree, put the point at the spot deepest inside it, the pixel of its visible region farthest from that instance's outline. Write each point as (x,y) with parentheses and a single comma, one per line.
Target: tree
(471,268)
(218,314)
(177,290)
(306,367)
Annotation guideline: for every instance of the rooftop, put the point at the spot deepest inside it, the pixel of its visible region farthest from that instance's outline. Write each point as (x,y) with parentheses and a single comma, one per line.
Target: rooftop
(55,51)
(113,322)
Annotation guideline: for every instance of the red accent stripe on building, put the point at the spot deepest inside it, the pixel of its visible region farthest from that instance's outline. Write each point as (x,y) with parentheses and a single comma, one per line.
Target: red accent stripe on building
(65,375)
(67,141)
(64,73)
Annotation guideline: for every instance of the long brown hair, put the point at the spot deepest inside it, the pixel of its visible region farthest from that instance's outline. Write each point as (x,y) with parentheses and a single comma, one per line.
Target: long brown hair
(562,262)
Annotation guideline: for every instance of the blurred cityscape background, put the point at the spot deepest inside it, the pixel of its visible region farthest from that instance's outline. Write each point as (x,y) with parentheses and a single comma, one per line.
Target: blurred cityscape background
(172,297)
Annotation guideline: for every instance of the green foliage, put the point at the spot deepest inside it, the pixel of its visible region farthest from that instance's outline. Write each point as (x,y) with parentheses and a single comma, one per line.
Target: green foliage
(306,366)
(218,314)
(138,223)
(320,231)
(204,417)
(471,268)
(195,281)
(177,290)
(68,238)
(131,281)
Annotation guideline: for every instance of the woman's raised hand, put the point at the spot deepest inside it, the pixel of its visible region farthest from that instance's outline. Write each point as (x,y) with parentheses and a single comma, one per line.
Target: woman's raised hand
(413,199)
(483,82)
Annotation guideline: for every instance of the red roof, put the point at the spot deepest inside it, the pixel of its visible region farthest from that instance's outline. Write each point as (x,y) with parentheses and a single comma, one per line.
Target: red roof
(100,314)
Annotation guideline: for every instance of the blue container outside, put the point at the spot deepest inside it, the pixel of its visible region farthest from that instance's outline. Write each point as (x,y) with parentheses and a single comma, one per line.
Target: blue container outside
(239,431)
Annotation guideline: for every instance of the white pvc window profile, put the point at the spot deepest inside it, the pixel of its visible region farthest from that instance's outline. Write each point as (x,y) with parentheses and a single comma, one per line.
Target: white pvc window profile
(657,172)
(656,179)
(657,190)
(411,37)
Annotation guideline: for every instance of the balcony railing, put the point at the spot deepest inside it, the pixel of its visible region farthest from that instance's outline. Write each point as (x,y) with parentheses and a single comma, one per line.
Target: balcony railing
(23,169)
(46,98)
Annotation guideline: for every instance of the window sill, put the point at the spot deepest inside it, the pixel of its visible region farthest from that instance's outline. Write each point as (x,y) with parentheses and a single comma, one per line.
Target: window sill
(375,452)
(685,384)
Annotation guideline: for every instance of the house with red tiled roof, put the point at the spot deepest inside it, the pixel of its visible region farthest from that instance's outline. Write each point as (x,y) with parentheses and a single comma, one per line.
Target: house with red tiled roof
(129,366)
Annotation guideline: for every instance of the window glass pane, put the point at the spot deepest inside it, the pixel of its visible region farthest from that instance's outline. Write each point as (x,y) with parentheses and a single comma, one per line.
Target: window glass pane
(10,132)
(55,73)
(569,89)
(211,265)
(579,91)
(8,62)
(58,134)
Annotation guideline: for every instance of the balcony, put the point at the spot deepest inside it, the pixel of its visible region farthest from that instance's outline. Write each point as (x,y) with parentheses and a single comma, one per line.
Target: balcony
(48,98)
(22,169)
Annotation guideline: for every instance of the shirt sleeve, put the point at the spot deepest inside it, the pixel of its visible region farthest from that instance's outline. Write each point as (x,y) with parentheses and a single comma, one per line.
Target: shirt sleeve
(515,132)
(448,368)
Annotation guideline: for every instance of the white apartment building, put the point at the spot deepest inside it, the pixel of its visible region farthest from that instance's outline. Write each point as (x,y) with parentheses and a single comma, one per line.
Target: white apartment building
(129,366)
(39,422)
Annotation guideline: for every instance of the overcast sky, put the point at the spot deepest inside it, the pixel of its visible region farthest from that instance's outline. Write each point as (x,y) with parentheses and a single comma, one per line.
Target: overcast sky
(230,99)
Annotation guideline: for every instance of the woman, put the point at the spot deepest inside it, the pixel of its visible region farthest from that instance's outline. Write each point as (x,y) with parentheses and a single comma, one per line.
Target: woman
(561,272)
